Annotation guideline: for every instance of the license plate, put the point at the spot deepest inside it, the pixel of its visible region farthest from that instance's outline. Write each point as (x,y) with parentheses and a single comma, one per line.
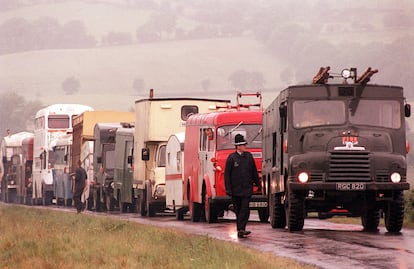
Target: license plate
(350,186)
(258,204)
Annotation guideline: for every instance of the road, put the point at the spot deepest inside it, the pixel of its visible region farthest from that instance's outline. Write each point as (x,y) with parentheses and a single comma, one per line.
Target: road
(321,243)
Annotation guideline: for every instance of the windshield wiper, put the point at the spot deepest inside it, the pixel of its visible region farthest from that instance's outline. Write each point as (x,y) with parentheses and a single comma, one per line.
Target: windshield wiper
(260,131)
(234,128)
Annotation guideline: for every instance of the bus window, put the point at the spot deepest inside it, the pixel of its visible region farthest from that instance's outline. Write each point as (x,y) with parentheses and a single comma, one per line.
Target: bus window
(187,111)
(58,121)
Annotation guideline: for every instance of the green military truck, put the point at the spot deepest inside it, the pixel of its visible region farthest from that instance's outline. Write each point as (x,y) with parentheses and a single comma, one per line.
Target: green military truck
(335,147)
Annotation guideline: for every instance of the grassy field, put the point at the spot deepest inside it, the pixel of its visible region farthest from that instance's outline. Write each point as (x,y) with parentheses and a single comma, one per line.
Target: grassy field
(39,238)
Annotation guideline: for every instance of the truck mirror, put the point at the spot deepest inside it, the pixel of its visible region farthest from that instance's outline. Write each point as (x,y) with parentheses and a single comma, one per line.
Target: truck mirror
(145,154)
(4,159)
(99,159)
(129,159)
(65,158)
(407,110)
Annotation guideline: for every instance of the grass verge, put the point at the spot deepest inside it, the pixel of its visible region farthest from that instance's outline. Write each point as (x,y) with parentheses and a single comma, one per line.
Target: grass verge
(37,238)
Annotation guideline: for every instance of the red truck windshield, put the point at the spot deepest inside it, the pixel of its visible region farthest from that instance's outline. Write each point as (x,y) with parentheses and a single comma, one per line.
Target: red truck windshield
(251,132)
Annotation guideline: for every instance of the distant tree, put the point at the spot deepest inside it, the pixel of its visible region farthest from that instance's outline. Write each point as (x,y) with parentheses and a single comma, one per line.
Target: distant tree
(71,85)
(74,35)
(138,85)
(398,20)
(47,32)
(205,84)
(117,38)
(16,113)
(146,34)
(160,26)
(15,35)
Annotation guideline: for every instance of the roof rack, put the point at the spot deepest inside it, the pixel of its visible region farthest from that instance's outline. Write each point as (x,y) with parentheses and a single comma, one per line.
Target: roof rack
(240,105)
(323,75)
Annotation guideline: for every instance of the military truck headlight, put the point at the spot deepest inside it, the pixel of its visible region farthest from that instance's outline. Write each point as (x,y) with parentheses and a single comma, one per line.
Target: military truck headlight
(303,177)
(395,177)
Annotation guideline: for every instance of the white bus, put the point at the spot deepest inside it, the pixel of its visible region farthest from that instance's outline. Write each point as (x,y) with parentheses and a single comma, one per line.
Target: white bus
(50,123)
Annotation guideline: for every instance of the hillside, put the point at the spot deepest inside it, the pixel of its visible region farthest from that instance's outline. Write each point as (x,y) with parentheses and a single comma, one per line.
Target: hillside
(171,68)
(285,43)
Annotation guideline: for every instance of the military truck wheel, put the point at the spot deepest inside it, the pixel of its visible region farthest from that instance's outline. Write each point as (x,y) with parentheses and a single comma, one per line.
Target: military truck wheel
(295,211)
(394,214)
(263,214)
(277,212)
(370,220)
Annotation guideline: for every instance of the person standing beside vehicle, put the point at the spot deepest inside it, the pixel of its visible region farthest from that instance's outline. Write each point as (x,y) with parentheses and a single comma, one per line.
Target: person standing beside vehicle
(80,183)
(239,174)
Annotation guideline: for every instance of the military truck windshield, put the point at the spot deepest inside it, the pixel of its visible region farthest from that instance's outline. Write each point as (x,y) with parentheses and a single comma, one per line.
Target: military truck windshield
(307,113)
(251,133)
(382,113)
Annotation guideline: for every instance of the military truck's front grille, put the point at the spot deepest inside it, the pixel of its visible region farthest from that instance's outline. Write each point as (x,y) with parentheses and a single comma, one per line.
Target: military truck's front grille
(382,177)
(316,177)
(349,165)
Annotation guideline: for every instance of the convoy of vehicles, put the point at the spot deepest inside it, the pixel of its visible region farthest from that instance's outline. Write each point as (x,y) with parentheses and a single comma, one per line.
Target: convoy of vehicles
(328,148)
(336,146)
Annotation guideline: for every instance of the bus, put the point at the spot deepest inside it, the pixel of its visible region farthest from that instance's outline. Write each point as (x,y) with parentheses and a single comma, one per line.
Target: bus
(50,123)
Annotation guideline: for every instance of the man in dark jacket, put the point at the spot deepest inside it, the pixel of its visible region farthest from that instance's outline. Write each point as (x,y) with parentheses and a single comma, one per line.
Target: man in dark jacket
(239,174)
(80,183)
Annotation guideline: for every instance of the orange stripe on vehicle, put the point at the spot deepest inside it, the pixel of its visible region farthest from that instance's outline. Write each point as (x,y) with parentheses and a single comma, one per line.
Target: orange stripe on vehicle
(173,177)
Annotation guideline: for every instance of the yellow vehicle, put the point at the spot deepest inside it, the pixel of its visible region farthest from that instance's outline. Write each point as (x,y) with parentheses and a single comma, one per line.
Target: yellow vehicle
(156,119)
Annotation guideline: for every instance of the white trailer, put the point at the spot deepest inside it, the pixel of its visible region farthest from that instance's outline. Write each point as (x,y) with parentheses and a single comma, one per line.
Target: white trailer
(174,173)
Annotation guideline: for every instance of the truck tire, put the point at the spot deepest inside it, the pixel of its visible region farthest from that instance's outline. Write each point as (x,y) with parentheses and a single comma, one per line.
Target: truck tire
(195,212)
(210,211)
(179,214)
(263,214)
(151,209)
(295,211)
(370,220)
(142,202)
(394,214)
(277,212)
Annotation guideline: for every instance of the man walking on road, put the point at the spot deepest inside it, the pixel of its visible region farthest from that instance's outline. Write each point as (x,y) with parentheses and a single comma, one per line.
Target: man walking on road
(80,183)
(239,175)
